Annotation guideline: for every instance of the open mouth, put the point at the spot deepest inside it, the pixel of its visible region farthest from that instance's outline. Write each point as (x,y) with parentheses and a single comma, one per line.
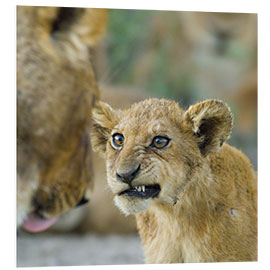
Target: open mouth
(143,192)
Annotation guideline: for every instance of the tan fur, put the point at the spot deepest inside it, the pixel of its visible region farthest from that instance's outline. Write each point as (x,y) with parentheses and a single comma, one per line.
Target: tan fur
(56,89)
(206,209)
(101,215)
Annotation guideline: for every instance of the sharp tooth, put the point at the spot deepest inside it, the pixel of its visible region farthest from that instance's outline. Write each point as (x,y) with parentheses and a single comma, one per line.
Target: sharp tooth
(143,188)
(140,188)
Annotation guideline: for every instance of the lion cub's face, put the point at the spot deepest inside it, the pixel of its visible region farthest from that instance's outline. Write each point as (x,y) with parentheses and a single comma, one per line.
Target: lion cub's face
(152,147)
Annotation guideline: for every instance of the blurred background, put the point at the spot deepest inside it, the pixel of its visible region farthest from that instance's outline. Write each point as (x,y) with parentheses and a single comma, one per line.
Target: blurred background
(185,56)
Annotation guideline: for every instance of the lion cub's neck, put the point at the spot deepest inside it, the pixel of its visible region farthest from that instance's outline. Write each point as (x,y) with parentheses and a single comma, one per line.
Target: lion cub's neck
(181,228)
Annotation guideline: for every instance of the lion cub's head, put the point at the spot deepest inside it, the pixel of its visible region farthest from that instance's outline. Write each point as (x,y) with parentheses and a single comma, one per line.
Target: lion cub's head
(152,148)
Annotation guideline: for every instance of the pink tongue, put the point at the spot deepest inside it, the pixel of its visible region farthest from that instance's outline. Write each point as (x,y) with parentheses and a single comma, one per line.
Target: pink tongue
(33,223)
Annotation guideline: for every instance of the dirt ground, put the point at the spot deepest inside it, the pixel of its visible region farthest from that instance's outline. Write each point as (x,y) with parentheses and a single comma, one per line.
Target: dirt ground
(46,249)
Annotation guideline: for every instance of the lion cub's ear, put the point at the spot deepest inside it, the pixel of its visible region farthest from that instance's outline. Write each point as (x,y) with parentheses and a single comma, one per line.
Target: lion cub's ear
(104,119)
(211,122)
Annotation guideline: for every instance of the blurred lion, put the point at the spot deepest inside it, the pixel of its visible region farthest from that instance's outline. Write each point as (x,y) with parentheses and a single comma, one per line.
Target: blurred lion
(101,215)
(56,89)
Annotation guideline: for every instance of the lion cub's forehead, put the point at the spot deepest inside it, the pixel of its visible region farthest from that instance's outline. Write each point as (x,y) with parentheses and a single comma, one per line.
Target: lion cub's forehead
(150,112)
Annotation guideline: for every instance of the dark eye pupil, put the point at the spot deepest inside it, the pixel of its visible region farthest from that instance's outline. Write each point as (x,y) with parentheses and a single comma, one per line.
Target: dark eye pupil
(118,140)
(160,142)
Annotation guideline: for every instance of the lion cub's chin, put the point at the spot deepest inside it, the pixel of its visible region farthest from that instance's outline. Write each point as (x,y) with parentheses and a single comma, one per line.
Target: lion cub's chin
(131,205)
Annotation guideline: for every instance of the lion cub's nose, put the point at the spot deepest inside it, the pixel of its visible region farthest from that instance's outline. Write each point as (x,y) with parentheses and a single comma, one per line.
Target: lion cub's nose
(127,177)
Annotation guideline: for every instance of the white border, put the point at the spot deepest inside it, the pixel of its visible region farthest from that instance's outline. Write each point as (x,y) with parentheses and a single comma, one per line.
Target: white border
(8,117)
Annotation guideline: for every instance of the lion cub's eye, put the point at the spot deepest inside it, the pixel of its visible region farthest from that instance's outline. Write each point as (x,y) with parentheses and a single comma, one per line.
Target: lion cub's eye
(117,140)
(160,142)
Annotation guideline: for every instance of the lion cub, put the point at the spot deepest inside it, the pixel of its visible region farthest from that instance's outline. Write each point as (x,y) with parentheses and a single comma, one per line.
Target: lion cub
(194,196)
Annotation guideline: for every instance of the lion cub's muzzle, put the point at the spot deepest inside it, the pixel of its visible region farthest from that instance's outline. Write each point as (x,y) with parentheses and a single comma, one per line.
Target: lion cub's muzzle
(127,177)
(141,191)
